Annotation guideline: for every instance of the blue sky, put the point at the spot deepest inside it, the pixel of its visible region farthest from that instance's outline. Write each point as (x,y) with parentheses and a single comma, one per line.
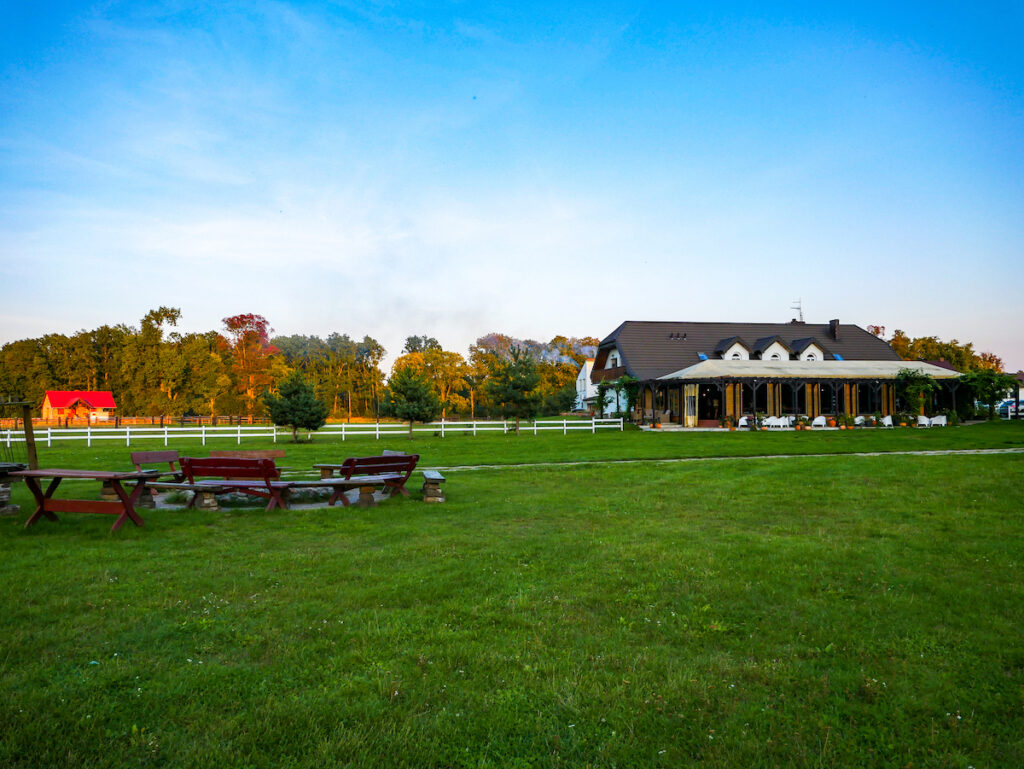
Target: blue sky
(455,169)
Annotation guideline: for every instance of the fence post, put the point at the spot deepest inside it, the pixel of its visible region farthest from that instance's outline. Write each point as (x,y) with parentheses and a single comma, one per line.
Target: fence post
(127,435)
(565,427)
(377,431)
(88,436)
(239,431)
(474,428)
(165,433)
(49,437)
(442,427)
(593,425)
(342,432)
(274,428)
(203,432)
(620,424)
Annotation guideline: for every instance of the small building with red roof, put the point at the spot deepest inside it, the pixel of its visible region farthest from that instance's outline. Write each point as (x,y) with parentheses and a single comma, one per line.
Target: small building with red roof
(94,405)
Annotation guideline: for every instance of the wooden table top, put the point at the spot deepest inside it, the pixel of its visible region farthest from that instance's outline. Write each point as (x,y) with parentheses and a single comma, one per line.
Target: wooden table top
(99,475)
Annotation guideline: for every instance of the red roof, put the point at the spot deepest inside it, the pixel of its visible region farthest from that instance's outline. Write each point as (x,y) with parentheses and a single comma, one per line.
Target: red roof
(97,399)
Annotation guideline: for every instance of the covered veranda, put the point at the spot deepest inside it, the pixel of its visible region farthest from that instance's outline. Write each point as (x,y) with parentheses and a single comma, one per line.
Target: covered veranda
(705,393)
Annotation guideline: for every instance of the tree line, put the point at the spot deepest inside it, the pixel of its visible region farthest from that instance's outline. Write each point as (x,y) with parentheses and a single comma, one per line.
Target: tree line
(153,370)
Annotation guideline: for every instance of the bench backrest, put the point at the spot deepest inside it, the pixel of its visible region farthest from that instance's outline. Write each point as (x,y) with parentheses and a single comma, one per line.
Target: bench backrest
(249,454)
(252,454)
(140,458)
(228,468)
(394,463)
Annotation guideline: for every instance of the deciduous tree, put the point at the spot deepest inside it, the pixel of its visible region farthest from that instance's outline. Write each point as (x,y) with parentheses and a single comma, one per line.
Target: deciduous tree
(252,356)
(988,387)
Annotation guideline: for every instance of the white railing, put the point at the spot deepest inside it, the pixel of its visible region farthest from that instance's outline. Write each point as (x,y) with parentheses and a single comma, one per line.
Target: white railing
(443,428)
(127,434)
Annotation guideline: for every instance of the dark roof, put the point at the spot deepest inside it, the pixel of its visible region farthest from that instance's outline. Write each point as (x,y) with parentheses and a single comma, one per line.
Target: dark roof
(799,345)
(725,344)
(942,363)
(650,349)
(765,342)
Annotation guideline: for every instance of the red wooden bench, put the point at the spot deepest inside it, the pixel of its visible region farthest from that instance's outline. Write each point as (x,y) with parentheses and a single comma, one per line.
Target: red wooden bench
(391,472)
(255,477)
(140,458)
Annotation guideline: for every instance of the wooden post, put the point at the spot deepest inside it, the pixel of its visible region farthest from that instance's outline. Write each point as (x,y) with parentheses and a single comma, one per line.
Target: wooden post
(30,438)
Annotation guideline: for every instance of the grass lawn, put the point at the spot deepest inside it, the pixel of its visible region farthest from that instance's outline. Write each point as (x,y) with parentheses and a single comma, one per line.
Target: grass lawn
(489,448)
(808,611)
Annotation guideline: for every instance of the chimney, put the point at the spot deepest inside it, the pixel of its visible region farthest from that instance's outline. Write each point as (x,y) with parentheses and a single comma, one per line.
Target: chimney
(833,328)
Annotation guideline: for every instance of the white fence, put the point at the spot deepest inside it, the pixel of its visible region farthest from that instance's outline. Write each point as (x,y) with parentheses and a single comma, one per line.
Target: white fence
(49,435)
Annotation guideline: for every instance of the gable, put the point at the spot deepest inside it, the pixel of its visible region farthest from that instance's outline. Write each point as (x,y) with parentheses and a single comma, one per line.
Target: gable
(736,351)
(812,352)
(775,351)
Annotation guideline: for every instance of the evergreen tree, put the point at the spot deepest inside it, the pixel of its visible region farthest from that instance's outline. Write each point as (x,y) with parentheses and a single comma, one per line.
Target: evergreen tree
(410,397)
(296,406)
(513,384)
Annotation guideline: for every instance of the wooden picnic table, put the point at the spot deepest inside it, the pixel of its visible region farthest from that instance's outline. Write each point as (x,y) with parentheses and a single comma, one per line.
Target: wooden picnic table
(123,507)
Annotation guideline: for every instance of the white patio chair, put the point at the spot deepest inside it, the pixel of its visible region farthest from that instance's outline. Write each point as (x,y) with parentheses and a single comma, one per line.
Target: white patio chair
(923,421)
(887,420)
(859,421)
(939,421)
(742,422)
(772,423)
(819,422)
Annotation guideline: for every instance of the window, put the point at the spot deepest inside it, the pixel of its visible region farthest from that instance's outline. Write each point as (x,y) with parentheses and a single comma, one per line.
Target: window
(775,356)
(811,356)
(736,356)
(613,361)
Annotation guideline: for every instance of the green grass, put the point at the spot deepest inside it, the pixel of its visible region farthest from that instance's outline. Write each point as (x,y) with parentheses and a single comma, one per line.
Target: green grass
(813,611)
(452,451)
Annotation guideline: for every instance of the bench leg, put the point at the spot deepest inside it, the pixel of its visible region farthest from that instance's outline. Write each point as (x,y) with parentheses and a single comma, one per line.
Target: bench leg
(432,492)
(204,500)
(278,499)
(366,497)
(338,494)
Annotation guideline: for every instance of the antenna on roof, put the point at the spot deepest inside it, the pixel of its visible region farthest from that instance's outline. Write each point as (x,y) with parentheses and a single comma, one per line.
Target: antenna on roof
(799,307)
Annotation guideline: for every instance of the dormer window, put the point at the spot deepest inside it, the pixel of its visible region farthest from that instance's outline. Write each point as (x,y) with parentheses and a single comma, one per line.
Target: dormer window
(736,356)
(775,356)
(811,356)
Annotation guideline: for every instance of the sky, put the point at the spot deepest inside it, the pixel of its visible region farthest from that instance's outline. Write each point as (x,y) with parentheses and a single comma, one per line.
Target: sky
(454,169)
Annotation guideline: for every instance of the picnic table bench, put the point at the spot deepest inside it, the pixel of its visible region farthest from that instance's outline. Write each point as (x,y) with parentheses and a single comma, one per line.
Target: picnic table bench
(214,476)
(432,491)
(392,471)
(123,506)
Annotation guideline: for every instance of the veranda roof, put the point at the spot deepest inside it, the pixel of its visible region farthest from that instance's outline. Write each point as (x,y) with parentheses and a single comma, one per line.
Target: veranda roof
(802,369)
